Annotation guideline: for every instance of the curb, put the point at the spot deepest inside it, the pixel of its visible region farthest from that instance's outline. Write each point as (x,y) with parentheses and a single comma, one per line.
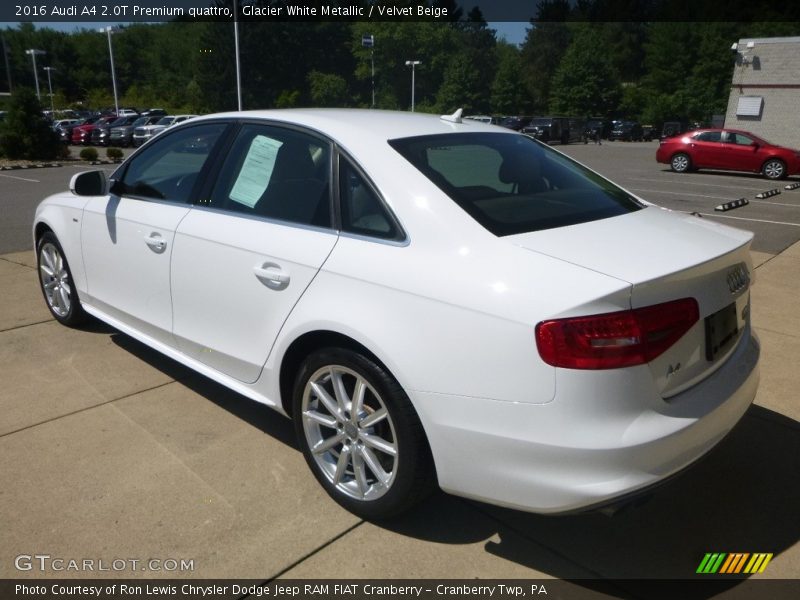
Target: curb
(104,162)
(34,166)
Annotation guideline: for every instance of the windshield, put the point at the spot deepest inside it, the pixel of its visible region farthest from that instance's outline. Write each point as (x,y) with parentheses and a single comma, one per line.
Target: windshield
(540,123)
(140,121)
(512,184)
(166,121)
(120,122)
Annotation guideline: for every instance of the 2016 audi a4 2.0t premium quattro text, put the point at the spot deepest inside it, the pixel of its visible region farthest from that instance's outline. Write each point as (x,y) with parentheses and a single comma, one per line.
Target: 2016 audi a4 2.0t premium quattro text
(430,300)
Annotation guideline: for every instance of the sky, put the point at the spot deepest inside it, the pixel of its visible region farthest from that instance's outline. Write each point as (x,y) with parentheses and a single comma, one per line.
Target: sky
(513,32)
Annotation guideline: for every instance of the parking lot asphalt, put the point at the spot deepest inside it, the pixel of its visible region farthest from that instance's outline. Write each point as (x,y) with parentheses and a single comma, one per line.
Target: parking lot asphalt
(111,451)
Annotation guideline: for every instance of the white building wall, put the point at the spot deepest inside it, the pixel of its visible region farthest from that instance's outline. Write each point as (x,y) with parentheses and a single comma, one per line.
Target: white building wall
(770,70)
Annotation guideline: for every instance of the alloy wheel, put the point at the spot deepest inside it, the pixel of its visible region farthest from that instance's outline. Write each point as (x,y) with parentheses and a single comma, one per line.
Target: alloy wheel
(55,279)
(350,433)
(773,169)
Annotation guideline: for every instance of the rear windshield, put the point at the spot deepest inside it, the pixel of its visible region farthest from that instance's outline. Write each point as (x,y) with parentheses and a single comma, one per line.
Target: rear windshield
(512,184)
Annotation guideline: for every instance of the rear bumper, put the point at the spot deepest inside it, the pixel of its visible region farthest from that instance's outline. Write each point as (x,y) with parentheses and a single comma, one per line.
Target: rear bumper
(589,446)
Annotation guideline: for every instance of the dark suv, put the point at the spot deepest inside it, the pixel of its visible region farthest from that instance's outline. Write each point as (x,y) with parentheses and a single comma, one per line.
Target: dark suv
(627,131)
(596,129)
(555,129)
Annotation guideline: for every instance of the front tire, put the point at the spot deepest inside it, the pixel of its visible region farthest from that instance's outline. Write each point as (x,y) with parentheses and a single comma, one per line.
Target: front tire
(56,282)
(774,169)
(681,163)
(360,435)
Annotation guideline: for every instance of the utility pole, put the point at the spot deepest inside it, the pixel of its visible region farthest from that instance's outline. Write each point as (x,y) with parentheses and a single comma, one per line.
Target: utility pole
(33,52)
(50,87)
(109,30)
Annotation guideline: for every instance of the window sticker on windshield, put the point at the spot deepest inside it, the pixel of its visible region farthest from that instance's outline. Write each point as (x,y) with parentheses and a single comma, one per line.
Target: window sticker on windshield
(256,171)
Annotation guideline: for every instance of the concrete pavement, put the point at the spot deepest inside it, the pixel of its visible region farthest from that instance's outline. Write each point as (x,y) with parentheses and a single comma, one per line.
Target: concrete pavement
(111,451)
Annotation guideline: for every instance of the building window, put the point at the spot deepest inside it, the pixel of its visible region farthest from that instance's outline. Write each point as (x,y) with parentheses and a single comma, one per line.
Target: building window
(749,106)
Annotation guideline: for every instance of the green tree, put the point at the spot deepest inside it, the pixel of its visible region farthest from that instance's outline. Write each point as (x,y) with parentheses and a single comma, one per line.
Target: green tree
(24,133)
(585,82)
(328,89)
(508,91)
(542,50)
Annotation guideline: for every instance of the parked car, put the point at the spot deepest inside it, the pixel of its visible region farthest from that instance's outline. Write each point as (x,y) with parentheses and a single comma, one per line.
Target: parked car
(596,129)
(480,118)
(627,131)
(429,300)
(169,121)
(650,133)
(562,130)
(61,123)
(101,136)
(65,131)
(515,123)
(671,128)
(728,149)
(144,132)
(123,136)
(81,134)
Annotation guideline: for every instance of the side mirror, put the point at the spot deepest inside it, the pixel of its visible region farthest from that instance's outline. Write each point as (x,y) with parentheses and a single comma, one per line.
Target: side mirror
(89,183)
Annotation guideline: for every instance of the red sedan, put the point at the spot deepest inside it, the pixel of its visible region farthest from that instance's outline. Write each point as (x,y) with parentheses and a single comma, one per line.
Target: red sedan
(728,149)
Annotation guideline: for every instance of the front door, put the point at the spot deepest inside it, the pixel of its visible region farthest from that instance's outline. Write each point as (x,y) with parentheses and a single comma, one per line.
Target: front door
(127,236)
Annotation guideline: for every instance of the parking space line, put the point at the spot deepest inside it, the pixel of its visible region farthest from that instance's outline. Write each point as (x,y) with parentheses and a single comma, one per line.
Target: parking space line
(20,178)
(748,219)
(732,185)
(680,194)
(712,197)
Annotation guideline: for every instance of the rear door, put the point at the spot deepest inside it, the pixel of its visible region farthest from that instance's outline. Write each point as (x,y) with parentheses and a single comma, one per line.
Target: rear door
(709,151)
(250,248)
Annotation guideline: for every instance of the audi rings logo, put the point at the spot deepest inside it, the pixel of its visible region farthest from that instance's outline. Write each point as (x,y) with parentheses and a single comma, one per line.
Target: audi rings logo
(738,279)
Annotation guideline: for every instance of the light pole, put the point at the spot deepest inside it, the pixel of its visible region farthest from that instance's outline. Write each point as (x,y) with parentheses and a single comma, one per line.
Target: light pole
(236,50)
(368,41)
(109,30)
(50,87)
(33,52)
(413,64)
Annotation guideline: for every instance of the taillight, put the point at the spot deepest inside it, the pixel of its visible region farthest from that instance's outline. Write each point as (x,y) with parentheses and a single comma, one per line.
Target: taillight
(618,339)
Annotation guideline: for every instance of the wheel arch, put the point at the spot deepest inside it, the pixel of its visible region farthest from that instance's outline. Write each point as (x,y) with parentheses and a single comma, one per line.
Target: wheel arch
(304,345)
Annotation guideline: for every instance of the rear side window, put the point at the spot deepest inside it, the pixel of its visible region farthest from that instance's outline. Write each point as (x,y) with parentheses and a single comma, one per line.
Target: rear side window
(709,136)
(511,184)
(363,212)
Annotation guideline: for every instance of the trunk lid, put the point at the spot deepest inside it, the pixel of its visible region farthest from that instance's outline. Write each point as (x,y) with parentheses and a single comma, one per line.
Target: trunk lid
(665,256)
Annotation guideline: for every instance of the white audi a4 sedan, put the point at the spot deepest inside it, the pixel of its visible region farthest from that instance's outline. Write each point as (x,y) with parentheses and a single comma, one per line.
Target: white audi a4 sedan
(431,300)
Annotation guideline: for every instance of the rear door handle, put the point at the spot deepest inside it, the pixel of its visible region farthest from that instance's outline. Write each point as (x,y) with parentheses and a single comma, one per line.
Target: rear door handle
(156,242)
(272,275)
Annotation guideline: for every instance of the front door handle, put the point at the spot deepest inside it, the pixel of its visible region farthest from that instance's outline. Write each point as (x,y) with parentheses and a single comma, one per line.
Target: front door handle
(272,275)
(156,242)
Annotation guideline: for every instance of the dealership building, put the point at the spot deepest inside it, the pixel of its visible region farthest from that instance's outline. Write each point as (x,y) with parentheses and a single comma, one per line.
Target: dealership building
(765,90)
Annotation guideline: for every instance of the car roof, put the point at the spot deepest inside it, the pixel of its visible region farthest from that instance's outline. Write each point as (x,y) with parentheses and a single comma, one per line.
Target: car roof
(359,125)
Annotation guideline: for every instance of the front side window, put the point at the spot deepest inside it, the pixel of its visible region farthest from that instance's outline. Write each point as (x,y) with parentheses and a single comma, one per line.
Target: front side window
(739,139)
(511,184)
(278,174)
(168,168)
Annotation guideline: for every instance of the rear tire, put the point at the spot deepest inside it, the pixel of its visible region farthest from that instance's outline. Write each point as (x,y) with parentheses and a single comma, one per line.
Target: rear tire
(681,163)
(360,434)
(774,168)
(56,282)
